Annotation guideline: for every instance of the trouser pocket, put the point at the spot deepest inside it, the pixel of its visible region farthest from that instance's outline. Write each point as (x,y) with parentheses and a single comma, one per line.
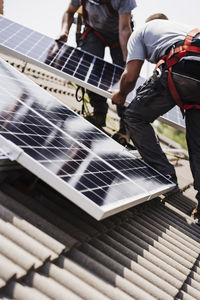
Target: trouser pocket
(151,88)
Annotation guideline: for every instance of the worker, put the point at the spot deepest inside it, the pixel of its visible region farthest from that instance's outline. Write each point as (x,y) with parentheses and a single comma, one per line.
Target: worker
(175,48)
(107,24)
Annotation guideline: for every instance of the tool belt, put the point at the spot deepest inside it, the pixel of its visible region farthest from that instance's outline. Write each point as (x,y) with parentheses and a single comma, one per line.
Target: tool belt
(172,58)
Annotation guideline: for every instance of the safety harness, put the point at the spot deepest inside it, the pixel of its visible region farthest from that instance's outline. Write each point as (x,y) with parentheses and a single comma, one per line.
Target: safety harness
(171,59)
(90,29)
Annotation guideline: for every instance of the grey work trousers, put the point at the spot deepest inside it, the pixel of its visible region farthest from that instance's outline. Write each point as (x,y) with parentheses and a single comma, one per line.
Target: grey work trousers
(152,100)
(94,45)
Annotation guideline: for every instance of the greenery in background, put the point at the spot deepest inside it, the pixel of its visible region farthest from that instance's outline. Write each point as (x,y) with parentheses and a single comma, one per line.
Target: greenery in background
(172,133)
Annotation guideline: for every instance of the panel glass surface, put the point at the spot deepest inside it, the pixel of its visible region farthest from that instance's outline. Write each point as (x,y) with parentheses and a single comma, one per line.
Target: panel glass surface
(69,147)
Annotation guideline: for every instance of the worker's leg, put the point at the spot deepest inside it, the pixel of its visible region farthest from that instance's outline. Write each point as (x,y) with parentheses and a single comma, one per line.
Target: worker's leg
(193,141)
(92,44)
(150,102)
(188,85)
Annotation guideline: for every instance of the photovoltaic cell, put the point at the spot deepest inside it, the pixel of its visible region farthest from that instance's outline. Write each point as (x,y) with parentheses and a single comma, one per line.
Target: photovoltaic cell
(68,152)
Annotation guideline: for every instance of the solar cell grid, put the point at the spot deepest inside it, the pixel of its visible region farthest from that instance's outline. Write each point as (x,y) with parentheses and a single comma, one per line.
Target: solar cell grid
(78,157)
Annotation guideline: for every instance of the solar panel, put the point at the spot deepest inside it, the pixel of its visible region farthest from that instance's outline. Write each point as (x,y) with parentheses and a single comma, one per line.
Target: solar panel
(69,153)
(70,63)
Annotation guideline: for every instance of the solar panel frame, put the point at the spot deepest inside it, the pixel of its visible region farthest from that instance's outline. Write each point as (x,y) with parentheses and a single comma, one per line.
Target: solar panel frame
(14,152)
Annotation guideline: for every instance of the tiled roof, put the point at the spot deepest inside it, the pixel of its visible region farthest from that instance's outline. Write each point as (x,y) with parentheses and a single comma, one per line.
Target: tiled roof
(50,249)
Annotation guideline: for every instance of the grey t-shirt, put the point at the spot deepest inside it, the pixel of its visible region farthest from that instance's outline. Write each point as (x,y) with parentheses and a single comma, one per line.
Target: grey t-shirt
(101,19)
(151,41)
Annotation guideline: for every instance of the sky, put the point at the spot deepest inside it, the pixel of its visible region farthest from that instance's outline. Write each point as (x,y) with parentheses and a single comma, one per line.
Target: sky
(45,15)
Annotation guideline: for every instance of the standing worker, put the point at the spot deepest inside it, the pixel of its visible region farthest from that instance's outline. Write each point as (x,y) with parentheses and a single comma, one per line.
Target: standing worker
(175,48)
(107,23)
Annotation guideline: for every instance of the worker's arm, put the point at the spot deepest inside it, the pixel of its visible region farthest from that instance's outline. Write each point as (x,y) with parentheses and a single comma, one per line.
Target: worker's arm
(127,81)
(67,21)
(124,32)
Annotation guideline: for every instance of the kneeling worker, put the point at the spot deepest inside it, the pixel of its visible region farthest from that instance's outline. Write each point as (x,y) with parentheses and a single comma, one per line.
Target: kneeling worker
(175,48)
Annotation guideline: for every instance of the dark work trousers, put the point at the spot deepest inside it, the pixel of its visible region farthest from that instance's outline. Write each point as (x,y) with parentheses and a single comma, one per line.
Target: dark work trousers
(193,140)
(152,100)
(94,45)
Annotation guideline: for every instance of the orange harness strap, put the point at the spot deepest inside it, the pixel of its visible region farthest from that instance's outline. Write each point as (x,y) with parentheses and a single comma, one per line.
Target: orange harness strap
(171,59)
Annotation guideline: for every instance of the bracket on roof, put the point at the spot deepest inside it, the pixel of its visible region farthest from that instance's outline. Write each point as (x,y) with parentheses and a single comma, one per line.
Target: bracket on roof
(9,150)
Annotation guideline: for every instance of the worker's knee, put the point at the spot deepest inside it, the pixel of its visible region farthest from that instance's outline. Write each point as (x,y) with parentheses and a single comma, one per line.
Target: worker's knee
(133,119)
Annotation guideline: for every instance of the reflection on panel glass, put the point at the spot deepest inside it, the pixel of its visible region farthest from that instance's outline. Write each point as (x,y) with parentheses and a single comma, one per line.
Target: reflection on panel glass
(69,146)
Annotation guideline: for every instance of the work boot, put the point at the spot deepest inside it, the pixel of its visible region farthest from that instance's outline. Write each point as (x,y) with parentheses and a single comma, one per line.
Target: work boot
(98,120)
(121,137)
(173,178)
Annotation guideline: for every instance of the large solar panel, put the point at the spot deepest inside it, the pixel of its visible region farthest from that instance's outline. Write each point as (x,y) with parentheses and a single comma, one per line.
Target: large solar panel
(71,63)
(69,153)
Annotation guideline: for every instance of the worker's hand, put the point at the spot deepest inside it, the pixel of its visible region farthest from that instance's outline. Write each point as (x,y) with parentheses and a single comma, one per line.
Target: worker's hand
(117,98)
(62,37)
